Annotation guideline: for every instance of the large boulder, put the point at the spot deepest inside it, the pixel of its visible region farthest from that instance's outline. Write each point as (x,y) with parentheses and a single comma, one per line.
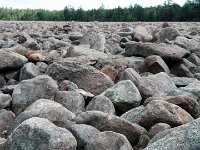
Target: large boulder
(124,95)
(109,122)
(183,137)
(84,76)
(71,100)
(40,134)
(108,140)
(155,85)
(48,109)
(167,52)
(28,91)
(10,60)
(140,33)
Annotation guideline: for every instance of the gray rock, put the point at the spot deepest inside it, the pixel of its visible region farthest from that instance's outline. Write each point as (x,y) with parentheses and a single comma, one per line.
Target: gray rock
(167,52)
(108,140)
(12,74)
(155,85)
(94,39)
(124,95)
(42,66)
(28,91)
(10,60)
(109,122)
(29,71)
(17,49)
(84,76)
(12,82)
(140,33)
(194,59)
(182,81)
(40,134)
(7,118)
(71,100)
(48,109)
(5,100)
(8,89)
(83,133)
(168,33)
(2,81)
(184,137)
(101,103)
(159,127)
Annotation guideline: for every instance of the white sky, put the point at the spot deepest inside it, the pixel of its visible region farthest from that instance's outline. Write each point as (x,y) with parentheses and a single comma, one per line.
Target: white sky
(85,4)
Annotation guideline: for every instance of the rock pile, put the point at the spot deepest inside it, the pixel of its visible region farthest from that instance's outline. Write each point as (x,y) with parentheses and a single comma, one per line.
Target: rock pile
(99,86)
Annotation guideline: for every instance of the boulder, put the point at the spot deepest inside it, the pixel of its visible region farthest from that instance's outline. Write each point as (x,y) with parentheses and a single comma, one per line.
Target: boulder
(155,85)
(11,60)
(5,100)
(101,103)
(71,100)
(39,133)
(166,52)
(110,71)
(28,91)
(140,33)
(182,137)
(84,76)
(108,140)
(182,81)
(66,85)
(159,127)
(124,95)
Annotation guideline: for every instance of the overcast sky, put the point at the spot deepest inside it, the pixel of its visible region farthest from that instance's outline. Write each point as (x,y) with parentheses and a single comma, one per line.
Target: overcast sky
(85,4)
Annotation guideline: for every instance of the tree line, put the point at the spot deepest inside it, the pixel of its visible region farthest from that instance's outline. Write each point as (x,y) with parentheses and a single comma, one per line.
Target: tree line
(169,11)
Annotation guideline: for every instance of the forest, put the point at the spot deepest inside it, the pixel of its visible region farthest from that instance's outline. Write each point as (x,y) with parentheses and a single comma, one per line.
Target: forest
(169,11)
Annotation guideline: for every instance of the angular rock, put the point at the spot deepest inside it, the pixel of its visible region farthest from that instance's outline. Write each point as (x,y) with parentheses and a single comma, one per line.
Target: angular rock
(28,91)
(29,71)
(168,33)
(84,76)
(194,59)
(159,127)
(39,133)
(42,66)
(66,85)
(163,112)
(10,60)
(7,118)
(124,95)
(83,134)
(48,109)
(182,137)
(140,33)
(101,103)
(5,100)
(108,140)
(71,100)
(167,52)
(155,85)
(17,49)
(110,71)
(108,122)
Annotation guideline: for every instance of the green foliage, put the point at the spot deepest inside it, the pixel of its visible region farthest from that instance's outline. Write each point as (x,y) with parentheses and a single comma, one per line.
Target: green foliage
(170,11)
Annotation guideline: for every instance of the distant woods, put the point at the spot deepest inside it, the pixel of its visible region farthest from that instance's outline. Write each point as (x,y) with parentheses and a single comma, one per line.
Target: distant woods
(169,11)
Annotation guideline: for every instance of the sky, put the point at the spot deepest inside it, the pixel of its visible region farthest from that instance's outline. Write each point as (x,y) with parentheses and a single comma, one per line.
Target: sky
(85,4)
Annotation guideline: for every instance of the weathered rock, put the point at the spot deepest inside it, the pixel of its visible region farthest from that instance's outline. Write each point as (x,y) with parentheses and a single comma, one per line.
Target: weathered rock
(2,81)
(182,81)
(155,85)
(9,60)
(140,33)
(101,103)
(42,66)
(181,70)
(167,52)
(71,100)
(108,122)
(29,71)
(5,100)
(154,64)
(108,140)
(7,118)
(48,109)
(28,91)
(12,82)
(163,112)
(13,74)
(110,71)
(66,85)
(187,103)
(124,95)
(39,133)
(194,59)
(182,137)
(94,39)
(168,33)
(83,134)
(84,76)
(8,89)
(86,95)
(17,49)
(159,127)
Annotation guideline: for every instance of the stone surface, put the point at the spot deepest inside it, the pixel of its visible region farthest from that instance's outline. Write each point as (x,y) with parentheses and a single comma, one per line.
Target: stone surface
(108,140)
(124,95)
(159,127)
(84,76)
(182,81)
(71,100)
(101,103)
(39,133)
(140,33)
(66,85)
(28,91)
(110,71)
(5,100)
